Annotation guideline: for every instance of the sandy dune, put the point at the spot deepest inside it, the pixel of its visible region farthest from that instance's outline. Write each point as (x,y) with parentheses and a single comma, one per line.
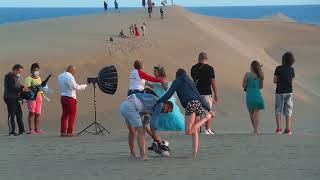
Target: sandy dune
(174,43)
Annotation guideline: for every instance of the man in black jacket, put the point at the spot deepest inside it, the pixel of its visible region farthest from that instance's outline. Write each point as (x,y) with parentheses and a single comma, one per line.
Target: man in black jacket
(12,97)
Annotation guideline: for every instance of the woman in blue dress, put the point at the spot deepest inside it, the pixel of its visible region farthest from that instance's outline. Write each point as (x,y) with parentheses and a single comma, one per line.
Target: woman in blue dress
(252,84)
(173,121)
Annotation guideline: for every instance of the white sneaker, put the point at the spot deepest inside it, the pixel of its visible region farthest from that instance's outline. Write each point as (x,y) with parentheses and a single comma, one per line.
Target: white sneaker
(206,132)
(211,132)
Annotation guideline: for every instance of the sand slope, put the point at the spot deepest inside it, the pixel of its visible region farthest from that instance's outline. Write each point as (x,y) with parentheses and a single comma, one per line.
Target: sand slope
(174,42)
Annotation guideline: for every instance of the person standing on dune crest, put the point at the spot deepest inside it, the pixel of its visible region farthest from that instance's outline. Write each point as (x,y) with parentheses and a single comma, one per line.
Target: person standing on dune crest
(116,6)
(161,13)
(150,5)
(105,5)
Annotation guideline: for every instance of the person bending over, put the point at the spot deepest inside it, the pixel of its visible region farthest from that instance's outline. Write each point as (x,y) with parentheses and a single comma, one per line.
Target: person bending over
(131,110)
(196,108)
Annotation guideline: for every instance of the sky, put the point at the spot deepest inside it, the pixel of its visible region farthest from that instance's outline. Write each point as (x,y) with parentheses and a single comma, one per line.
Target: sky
(137,3)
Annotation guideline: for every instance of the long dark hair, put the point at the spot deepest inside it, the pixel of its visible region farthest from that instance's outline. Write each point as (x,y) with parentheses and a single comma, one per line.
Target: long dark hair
(256,68)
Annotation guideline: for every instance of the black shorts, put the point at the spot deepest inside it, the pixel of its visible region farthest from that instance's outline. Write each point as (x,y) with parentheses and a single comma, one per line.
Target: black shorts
(195,106)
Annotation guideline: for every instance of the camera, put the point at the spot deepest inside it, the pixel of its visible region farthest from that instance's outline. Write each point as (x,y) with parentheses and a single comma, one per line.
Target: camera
(92,80)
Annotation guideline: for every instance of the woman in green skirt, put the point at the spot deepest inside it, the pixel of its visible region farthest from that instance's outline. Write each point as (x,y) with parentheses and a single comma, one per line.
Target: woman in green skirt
(252,84)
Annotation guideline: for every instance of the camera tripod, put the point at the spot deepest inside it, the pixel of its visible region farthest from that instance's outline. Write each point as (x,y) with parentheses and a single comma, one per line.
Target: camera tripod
(98,128)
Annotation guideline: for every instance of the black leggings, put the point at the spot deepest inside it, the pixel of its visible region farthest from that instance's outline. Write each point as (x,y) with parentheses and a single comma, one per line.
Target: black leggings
(14,110)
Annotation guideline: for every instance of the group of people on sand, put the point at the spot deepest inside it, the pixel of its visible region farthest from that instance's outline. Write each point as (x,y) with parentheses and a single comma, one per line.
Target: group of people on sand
(13,90)
(134,31)
(116,6)
(151,5)
(12,96)
(150,102)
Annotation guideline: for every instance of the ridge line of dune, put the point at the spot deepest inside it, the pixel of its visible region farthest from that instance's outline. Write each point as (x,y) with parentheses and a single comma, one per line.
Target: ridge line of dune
(258,53)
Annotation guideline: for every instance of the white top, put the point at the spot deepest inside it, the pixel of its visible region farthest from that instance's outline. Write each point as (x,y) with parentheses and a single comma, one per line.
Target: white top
(68,85)
(136,83)
(136,101)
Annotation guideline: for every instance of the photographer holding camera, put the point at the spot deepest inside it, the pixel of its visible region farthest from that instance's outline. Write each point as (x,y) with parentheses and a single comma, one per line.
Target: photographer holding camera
(68,87)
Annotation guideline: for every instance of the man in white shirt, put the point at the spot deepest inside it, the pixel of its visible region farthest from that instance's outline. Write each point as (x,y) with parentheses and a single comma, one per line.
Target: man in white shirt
(68,87)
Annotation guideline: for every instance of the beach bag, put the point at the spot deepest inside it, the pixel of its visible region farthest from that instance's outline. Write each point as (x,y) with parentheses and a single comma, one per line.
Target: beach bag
(32,94)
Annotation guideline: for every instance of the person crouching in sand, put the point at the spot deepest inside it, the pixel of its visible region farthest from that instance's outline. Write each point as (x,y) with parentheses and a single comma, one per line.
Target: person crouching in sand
(68,87)
(197,109)
(131,108)
(252,83)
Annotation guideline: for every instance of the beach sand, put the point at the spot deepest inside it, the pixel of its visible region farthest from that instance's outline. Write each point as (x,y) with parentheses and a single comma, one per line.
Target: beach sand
(174,43)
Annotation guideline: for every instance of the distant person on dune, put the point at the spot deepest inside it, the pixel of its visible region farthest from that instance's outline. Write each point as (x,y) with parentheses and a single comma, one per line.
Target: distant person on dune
(283,77)
(252,84)
(116,6)
(196,108)
(131,29)
(150,6)
(138,79)
(136,31)
(122,35)
(143,28)
(161,13)
(163,3)
(105,5)
(144,3)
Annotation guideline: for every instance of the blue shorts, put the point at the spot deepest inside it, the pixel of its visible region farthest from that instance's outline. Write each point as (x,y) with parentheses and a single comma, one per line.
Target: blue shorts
(130,114)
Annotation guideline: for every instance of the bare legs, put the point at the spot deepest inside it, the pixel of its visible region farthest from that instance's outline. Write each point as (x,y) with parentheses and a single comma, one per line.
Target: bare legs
(192,126)
(141,141)
(36,119)
(208,124)
(254,117)
(278,121)
(30,118)
(288,121)
(131,137)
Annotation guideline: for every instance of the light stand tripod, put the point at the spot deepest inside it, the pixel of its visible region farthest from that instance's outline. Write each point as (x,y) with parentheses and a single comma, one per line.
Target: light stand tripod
(99,129)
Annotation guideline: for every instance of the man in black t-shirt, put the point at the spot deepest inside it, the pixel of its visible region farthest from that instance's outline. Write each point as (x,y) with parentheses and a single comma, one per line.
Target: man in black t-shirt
(204,77)
(283,77)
